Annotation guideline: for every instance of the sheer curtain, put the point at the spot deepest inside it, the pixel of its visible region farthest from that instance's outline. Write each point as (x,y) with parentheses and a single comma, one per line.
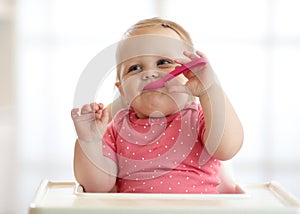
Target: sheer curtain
(253,45)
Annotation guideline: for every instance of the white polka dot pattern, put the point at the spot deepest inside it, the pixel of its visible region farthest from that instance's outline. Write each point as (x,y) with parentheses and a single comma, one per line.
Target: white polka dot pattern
(163,155)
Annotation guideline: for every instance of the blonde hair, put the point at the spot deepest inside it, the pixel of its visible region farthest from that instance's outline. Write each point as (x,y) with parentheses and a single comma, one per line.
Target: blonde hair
(182,33)
(157,22)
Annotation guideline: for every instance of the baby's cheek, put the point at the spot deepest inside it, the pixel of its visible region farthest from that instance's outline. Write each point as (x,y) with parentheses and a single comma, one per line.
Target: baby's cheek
(130,95)
(131,88)
(181,99)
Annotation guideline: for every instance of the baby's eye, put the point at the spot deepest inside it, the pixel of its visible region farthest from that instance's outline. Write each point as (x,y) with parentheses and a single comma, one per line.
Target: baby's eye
(134,68)
(164,62)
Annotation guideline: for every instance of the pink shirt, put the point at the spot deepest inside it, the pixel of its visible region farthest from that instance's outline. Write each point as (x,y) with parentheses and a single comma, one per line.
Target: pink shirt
(161,155)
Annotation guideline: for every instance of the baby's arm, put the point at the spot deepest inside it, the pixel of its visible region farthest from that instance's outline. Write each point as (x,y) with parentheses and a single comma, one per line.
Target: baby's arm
(223,135)
(92,170)
(90,176)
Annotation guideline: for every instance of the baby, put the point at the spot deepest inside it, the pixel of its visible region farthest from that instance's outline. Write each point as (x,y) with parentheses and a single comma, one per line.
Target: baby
(167,140)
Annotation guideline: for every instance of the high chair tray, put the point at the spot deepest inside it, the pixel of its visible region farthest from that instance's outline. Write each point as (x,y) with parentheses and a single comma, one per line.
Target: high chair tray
(68,197)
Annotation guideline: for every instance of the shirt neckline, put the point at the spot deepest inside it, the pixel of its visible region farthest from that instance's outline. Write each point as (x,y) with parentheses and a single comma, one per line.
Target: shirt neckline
(159,120)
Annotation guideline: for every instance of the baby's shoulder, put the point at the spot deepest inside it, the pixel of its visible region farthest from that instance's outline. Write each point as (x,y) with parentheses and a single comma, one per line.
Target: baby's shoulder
(121,114)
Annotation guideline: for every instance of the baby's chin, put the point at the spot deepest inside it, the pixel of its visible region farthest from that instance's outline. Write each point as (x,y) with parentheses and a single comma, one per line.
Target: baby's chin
(155,113)
(157,97)
(157,90)
(155,104)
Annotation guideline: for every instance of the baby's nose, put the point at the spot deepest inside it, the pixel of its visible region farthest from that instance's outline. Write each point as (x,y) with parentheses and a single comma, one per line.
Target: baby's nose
(150,75)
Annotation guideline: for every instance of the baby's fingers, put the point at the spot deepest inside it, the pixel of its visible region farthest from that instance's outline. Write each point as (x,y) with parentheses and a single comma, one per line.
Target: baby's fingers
(81,117)
(101,113)
(74,113)
(190,55)
(181,61)
(105,116)
(202,55)
(86,109)
(178,89)
(89,108)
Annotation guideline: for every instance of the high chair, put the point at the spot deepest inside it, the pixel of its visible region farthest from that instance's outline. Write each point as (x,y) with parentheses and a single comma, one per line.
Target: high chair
(59,197)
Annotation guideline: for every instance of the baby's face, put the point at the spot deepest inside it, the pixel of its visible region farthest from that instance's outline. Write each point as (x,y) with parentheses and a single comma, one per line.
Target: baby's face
(147,56)
(137,72)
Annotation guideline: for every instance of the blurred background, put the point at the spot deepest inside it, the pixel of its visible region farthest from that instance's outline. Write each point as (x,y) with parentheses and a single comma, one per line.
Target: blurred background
(253,45)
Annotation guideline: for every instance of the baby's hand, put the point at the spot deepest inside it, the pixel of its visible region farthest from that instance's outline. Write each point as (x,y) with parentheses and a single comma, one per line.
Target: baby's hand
(91,123)
(199,79)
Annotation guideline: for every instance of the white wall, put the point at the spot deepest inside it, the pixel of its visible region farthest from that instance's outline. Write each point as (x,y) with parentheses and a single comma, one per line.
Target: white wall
(254,46)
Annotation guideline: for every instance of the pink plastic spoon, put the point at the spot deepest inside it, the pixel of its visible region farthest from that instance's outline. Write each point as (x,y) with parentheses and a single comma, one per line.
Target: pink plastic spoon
(178,70)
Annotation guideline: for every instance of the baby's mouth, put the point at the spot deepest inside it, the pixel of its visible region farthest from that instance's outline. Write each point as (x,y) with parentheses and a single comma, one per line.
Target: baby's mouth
(154,90)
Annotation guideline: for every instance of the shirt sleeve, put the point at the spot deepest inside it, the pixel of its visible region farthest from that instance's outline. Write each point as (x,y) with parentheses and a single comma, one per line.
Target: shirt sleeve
(109,143)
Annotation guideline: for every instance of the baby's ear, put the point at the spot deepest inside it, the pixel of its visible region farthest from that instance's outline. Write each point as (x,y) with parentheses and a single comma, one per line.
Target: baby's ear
(119,86)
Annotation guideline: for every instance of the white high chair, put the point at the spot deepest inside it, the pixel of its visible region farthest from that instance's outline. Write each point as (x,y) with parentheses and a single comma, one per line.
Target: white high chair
(67,197)
(55,197)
